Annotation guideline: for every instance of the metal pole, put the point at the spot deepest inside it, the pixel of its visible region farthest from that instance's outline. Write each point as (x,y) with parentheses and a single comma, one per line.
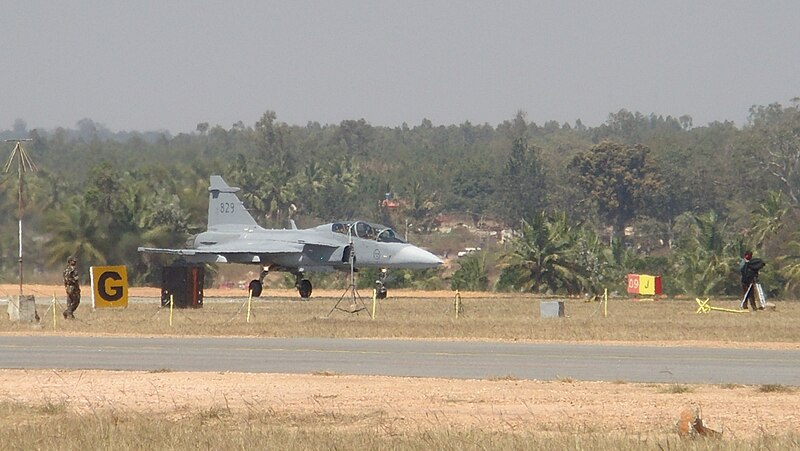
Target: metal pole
(20,258)
(23,164)
(19,169)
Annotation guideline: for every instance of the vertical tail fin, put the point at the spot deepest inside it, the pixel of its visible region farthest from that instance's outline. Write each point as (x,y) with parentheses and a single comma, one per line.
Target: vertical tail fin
(224,207)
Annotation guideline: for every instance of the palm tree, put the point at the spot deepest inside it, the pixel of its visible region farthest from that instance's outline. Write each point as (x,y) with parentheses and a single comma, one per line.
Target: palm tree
(422,207)
(545,257)
(471,274)
(704,256)
(74,230)
(767,218)
(604,265)
(790,264)
(312,177)
(161,220)
(279,196)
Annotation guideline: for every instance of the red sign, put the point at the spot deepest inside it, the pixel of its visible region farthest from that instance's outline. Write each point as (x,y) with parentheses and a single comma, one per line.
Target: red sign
(633,283)
(644,284)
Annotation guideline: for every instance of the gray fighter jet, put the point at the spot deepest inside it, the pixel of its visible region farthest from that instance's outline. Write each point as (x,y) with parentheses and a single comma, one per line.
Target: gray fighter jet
(233,236)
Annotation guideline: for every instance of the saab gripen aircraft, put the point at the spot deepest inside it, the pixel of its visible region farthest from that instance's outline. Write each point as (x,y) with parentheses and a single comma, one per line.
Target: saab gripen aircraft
(233,236)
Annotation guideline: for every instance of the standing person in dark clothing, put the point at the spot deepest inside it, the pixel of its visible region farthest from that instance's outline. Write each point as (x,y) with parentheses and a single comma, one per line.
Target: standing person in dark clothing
(749,268)
(72,287)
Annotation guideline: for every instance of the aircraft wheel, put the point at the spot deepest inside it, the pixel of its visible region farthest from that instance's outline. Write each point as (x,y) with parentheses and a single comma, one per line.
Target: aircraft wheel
(255,287)
(304,288)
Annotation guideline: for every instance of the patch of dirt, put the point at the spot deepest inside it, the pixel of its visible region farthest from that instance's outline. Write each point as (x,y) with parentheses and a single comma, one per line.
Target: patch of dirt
(416,403)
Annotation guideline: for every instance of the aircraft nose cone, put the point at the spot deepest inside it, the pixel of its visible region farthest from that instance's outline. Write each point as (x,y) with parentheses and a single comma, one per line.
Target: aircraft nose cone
(414,257)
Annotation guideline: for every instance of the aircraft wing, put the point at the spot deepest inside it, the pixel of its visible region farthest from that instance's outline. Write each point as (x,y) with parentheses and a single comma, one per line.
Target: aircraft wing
(261,247)
(159,250)
(253,247)
(260,251)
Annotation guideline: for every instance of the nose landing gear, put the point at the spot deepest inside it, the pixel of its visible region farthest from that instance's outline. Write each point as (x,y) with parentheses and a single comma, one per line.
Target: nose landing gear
(380,285)
(380,290)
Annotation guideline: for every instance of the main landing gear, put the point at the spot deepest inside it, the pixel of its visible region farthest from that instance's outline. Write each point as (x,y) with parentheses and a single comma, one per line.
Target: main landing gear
(303,285)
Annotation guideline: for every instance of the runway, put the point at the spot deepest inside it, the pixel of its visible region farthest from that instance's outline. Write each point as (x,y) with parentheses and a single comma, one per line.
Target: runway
(413,358)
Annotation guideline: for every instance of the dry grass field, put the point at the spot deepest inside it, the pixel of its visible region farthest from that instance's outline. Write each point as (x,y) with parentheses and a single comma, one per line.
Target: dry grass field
(174,410)
(408,314)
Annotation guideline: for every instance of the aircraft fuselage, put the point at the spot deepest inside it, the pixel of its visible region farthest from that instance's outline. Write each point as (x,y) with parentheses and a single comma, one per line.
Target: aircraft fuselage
(314,250)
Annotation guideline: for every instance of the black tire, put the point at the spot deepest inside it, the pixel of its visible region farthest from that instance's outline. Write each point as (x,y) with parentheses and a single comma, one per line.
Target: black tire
(304,288)
(255,288)
(380,290)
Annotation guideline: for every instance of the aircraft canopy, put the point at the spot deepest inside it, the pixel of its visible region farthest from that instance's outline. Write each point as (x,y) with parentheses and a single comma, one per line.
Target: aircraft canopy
(368,231)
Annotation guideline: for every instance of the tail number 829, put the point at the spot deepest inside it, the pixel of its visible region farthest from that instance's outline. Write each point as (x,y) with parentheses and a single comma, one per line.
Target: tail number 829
(226,207)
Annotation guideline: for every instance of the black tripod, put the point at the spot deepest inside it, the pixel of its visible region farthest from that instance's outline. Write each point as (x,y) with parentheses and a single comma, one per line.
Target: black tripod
(753,290)
(356,303)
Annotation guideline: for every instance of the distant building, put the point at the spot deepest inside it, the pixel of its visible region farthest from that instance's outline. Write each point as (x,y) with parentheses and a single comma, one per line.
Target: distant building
(390,202)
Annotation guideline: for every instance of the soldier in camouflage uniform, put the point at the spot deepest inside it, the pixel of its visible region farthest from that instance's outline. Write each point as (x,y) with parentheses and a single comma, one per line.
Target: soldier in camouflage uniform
(73,288)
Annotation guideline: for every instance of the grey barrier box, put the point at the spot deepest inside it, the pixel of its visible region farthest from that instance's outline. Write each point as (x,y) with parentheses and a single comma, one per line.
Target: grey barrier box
(22,308)
(551,309)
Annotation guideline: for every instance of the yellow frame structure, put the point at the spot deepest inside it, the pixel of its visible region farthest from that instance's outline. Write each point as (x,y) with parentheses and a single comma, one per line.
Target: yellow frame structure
(704,307)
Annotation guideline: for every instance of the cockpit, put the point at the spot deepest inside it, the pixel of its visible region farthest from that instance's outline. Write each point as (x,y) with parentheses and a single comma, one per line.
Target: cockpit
(367,231)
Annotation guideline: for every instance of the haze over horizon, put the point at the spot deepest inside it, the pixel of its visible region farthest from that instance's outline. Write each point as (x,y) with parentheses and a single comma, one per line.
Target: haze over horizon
(171,65)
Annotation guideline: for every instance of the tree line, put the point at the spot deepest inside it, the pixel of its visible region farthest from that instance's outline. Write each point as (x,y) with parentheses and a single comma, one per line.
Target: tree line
(639,193)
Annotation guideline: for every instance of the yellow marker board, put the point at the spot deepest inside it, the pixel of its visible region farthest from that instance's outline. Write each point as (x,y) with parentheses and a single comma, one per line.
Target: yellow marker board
(109,286)
(647,284)
(644,284)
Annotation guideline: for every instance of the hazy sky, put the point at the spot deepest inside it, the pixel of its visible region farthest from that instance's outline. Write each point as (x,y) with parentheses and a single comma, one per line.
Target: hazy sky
(152,65)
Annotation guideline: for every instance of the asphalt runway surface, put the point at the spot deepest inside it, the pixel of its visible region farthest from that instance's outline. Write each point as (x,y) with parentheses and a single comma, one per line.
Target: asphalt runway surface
(413,358)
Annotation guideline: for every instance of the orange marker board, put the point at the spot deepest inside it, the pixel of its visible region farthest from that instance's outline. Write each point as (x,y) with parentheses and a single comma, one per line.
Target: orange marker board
(644,284)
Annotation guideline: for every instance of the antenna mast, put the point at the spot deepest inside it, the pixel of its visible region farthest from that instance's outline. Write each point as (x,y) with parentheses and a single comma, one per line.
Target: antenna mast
(24,163)
(351,290)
